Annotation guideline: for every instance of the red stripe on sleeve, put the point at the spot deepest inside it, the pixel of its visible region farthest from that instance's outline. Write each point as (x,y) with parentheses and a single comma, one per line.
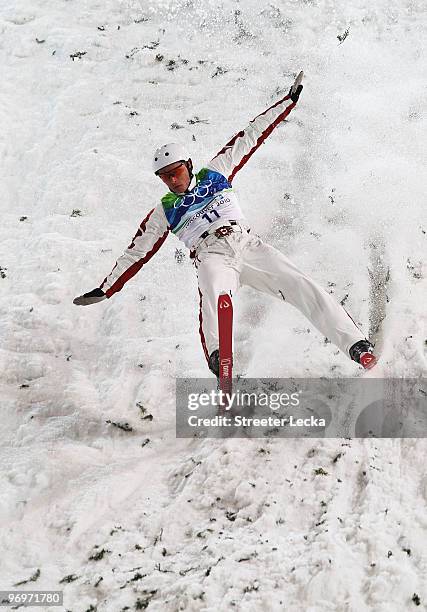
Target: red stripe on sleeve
(134,268)
(261,138)
(141,230)
(230,143)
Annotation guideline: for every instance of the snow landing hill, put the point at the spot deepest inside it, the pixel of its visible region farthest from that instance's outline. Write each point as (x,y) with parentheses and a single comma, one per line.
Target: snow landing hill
(128,520)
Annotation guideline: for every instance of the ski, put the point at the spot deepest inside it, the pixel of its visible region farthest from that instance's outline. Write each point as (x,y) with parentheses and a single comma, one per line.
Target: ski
(225,332)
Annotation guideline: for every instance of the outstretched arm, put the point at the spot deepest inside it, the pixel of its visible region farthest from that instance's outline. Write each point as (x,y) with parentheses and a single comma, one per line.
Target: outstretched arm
(150,236)
(243,145)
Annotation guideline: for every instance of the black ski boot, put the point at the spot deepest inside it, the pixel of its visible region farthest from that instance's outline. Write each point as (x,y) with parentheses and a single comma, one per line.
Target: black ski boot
(363,352)
(213,363)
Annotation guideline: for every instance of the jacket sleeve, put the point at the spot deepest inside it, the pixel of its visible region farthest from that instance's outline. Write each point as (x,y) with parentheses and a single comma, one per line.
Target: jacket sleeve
(234,155)
(150,236)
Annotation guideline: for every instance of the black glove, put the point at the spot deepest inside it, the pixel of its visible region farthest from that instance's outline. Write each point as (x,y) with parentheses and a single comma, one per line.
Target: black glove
(97,295)
(295,95)
(296,88)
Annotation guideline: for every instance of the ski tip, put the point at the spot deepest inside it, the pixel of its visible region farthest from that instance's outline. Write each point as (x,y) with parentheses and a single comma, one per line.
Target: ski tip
(297,81)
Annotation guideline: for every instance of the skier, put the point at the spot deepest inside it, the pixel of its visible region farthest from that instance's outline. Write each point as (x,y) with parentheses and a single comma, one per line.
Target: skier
(202,210)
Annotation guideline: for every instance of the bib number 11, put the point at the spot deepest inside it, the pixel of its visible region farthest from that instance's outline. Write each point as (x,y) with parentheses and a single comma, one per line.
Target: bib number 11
(210,217)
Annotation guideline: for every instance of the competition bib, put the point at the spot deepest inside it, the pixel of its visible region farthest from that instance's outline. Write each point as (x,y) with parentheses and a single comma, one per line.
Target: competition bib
(212,200)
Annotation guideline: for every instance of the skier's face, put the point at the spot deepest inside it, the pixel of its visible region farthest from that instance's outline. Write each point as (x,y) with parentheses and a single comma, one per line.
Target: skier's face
(176,176)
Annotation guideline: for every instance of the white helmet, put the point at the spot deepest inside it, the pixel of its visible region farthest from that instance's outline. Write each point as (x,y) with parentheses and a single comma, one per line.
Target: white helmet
(168,154)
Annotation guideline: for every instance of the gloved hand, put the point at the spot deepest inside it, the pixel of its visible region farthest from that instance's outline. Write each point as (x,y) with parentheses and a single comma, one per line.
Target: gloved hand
(294,95)
(296,88)
(97,295)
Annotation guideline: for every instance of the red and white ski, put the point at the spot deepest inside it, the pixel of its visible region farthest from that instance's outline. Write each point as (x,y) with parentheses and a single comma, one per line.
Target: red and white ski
(225,332)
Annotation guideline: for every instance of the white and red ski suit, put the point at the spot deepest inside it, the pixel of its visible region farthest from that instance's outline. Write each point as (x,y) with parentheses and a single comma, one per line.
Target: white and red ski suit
(230,257)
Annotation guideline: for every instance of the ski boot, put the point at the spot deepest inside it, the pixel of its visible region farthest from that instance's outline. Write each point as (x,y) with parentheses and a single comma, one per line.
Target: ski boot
(363,352)
(213,363)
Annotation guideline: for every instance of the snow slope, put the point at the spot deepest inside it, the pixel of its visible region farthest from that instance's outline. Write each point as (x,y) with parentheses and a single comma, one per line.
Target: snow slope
(88,91)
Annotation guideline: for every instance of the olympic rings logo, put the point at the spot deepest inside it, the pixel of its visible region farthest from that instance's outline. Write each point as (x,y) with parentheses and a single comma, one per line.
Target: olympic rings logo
(202,191)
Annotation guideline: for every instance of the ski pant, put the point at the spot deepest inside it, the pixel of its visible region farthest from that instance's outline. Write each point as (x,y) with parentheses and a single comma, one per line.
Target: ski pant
(224,264)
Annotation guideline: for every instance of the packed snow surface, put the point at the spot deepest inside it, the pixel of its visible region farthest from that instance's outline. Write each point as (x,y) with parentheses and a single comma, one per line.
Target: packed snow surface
(137,519)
